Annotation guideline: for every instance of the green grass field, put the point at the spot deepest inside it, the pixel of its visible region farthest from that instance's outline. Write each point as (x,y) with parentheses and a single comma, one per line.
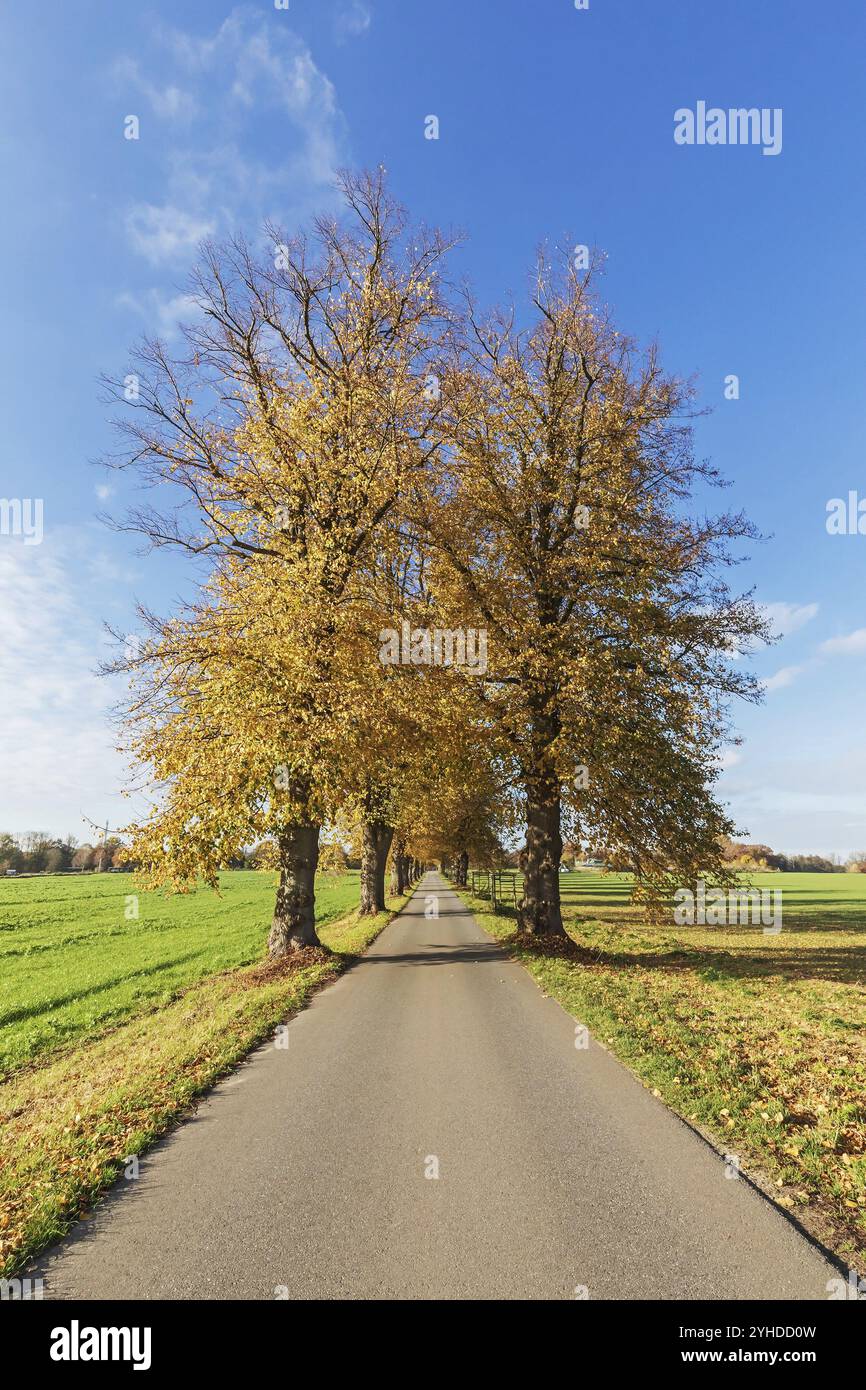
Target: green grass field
(759,1040)
(72,962)
(112,1026)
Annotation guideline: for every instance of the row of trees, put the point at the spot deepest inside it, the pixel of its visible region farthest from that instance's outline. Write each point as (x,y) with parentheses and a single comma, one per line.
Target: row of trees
(36,853)
(354,451)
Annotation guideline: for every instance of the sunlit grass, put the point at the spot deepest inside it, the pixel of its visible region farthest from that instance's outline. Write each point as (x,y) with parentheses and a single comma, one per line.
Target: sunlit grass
(71,1119)
(759,1039)
(74,960)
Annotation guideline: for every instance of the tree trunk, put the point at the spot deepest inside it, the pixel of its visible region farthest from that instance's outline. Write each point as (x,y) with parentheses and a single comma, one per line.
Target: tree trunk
(377,837)
(539,910)
(463,869)
(294,922)
(401,867)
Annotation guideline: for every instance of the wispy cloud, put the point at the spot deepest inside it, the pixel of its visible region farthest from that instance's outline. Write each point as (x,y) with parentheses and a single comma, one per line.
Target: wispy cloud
(789,617)
(168,233)
(168,102)
(353,17)
(258,136)
(852,644)
(164,312)
(785,676)
(57,742)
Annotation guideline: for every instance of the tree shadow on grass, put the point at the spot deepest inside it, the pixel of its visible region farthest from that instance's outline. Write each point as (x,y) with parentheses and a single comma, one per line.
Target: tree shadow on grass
(840,964)
(44,1007)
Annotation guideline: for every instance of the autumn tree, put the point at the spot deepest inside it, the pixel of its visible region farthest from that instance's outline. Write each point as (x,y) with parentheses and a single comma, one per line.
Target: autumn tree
(290,429)
(332,855)
(561,525)
(459,806)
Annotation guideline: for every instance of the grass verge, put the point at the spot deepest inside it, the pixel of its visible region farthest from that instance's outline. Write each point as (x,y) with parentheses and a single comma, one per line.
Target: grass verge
(70,1125)
(755,1040)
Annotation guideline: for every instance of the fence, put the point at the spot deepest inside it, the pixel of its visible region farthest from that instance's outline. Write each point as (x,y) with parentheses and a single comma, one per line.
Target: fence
(499,885)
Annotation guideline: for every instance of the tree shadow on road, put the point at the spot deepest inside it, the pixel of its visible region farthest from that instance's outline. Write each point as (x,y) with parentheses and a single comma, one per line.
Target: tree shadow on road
(438,953)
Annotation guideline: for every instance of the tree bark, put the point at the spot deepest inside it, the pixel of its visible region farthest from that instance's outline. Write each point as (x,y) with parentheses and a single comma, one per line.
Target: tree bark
(294,921)
(463,869)
(401,867)
(539,910)
(377,837)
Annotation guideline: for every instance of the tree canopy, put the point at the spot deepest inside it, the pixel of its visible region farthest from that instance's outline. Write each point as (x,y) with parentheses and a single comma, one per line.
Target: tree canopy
(456,579)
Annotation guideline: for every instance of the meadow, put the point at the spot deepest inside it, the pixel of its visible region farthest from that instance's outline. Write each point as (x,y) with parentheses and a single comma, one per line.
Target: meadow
(758,1040)
(74,960)
(112,1025)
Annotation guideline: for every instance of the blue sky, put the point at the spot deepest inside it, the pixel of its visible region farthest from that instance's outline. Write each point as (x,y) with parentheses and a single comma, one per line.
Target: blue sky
(554,122)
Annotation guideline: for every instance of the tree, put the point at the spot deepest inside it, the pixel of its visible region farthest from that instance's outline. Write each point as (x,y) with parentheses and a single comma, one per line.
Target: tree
(747,856)
(10,853)
(332,856)
(809,864)
(293,426)
(54,859)
(36,848)
(83,858)
(561,529)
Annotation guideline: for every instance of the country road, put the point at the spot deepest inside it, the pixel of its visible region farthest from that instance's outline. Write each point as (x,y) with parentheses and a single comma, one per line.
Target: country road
(305,1173)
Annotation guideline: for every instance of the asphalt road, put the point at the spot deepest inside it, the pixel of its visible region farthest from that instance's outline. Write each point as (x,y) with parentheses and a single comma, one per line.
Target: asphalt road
(308,1173)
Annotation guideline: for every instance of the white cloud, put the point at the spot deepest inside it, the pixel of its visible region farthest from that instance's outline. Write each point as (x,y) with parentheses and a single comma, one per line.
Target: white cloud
(57,743)
(851,644)
(165,233)
(788,617)
(352,18)
(164,312)
(802,798)
(248,73)
(261,140)
(785,676)
(730,757)
(169,103)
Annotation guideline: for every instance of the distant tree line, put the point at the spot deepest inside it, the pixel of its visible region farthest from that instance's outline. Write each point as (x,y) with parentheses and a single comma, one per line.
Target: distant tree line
(747,856)
(38,853)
